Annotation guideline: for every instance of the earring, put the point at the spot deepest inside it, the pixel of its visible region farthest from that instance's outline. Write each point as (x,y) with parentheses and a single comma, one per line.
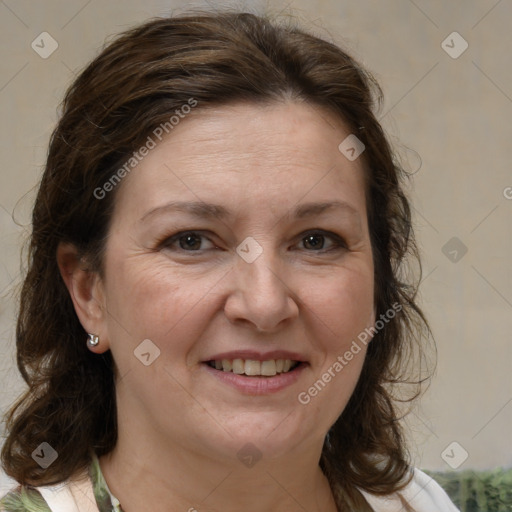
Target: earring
(93,340)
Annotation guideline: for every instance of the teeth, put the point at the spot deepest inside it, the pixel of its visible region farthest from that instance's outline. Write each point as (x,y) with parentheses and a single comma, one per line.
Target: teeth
(254,368)
(268,368)
(238,366)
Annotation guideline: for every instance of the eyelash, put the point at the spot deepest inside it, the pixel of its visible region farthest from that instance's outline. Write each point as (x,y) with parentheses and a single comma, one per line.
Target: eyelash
(338,242)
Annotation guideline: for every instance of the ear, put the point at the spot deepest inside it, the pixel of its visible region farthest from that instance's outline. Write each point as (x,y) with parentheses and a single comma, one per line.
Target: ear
(86,290)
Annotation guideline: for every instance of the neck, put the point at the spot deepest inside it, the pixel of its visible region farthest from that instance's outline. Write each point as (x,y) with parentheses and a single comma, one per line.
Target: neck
(174,478)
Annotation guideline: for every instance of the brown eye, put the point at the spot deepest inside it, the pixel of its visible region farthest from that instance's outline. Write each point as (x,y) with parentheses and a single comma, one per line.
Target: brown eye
(316,241)
(188,241)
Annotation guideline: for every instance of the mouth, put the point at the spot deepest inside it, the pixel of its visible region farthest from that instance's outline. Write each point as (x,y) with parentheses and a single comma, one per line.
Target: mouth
(255,368)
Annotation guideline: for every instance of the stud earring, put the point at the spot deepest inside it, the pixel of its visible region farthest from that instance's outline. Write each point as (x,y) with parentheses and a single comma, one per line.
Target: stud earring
(93,340)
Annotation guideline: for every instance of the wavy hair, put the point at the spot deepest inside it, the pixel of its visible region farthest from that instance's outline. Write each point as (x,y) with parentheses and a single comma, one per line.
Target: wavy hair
(135,84)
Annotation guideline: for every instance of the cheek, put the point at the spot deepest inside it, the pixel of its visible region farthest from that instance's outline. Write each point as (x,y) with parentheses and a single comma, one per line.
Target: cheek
(343,306)
(152,300)
(344,309)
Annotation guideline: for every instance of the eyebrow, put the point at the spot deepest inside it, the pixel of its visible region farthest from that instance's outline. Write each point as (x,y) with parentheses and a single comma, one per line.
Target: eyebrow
(204,210)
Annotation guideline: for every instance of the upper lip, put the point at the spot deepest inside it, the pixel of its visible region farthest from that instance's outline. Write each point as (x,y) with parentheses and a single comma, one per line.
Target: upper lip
(257,356)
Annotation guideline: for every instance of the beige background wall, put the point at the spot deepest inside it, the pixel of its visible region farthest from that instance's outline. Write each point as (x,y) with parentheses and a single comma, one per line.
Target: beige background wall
(452,117)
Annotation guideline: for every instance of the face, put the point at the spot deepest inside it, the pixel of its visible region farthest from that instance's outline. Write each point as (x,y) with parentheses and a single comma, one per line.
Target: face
(239,249)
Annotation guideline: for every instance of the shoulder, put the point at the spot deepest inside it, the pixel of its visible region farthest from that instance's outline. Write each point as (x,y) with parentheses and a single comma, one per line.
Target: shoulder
(422,493)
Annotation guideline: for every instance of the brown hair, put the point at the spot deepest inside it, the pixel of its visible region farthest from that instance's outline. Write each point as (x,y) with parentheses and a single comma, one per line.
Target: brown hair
(134,85)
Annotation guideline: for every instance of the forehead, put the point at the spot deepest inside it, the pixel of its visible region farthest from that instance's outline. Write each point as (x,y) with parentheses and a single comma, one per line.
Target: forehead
(248,155)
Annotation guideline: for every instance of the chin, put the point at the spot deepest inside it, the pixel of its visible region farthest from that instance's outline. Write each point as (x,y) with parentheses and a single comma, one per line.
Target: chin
(270,435)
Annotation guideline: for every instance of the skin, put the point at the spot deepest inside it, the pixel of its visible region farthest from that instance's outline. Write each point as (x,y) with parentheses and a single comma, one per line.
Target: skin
(180,428)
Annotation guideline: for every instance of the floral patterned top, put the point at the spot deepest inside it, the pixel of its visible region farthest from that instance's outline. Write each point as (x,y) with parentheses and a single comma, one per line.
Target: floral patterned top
(90,493)
(38,499)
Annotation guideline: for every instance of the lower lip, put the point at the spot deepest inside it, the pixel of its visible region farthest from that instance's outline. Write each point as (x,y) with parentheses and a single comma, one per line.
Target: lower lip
(257,385)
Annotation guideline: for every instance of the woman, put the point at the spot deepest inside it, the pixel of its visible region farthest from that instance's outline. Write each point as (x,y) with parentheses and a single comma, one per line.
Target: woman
(214,317)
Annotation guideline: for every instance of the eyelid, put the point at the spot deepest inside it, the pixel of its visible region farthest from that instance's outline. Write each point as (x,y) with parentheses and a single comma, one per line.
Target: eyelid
(338,242)
(168,240)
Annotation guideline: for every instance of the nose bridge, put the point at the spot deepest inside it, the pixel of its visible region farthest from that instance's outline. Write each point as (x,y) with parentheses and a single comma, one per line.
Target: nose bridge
(262,295)
(263,274)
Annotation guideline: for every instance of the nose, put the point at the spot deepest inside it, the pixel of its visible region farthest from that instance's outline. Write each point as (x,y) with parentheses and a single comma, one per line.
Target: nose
(262,294)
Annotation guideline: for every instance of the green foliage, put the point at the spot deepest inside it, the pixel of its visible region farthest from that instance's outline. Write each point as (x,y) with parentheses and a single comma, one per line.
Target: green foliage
(478,491)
